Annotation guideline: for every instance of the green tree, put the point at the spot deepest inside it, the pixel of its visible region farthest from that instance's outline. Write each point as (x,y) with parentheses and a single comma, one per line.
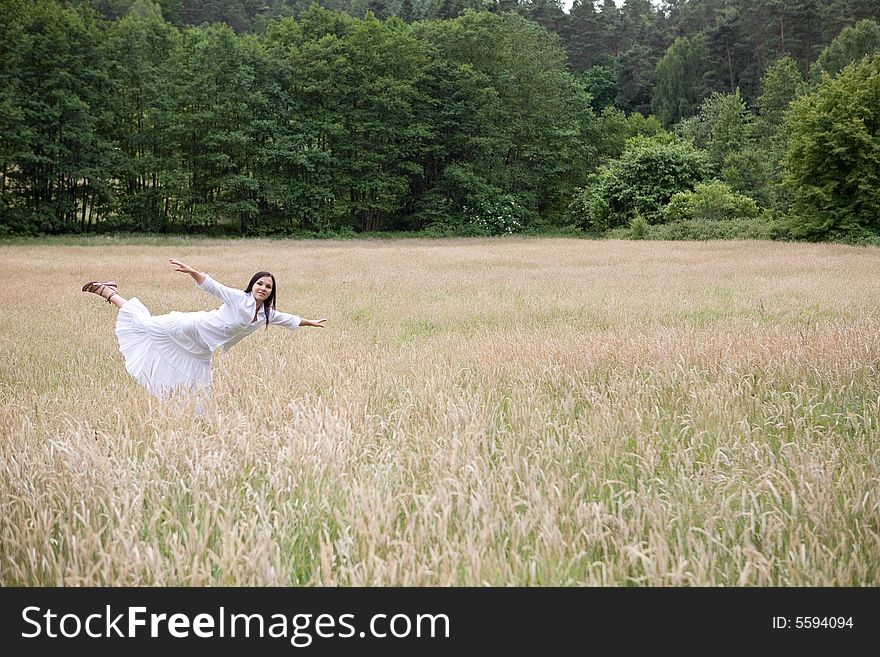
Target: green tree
(610,25)
(581,36)
(57,99)
(680,80)
(614,129)
(838,14)
(13,124)
(754,45)
(137,47)
(379,8)
(601,83)
(799,29)
(379,87)
(635,79)
(832,165)
(638,184)
(299,164)
(782,84)
(546,13)
(639,23)
(725,128)
(407,11)
(210,121)
(464,117)
(849,46)
(533,143)
(359,86)
(449,9)
(721,39)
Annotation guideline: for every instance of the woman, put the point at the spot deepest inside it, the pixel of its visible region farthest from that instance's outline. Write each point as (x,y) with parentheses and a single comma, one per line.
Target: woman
(171,354)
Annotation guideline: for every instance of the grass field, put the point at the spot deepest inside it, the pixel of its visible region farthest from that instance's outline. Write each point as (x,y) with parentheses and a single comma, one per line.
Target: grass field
(477,412)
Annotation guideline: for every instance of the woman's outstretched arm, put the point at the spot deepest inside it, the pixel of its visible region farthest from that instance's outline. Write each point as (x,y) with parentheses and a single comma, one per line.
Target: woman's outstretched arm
(293,321)
(197,276)
(205,282)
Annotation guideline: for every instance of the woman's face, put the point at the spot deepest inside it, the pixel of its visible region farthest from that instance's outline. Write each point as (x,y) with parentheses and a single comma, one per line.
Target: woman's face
(262,288)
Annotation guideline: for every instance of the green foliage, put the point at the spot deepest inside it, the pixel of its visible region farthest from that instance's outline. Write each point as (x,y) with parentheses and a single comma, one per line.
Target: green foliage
(640,183)
(505,116)
(138,49)
(635,78)
(334,121)
(588,211)
(614,129)
(712,201)
(498,216)
(725,129)
(851,45)
(370,80)
(601,83)
(832,165)
(638,228)
(680,78)
(145,10)
(758,228)
(781,84)
(55,114)
(326,123)
(719,127)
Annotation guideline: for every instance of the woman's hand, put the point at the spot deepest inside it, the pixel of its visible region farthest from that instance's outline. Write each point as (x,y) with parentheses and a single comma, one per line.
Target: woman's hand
(197,276)
(312,322)
(179,266)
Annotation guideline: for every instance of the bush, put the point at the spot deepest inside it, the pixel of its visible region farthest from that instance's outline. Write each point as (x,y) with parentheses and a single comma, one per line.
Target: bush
(13,220)
(759,228)
(436,213)
(587,211)
(713,201)
(638,228)
(640,183)
(496,216)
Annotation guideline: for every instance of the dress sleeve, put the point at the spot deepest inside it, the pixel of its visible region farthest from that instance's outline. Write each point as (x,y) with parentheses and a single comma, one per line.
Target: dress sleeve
(284,319)
(227,295)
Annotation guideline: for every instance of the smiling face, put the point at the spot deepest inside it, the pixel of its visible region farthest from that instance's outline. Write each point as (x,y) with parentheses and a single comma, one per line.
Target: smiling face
(262,289)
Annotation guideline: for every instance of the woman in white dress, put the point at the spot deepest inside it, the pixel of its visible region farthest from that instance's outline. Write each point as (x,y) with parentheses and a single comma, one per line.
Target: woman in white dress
(171,354)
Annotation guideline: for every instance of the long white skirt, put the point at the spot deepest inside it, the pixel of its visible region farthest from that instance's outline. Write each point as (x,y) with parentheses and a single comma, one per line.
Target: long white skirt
(159,353)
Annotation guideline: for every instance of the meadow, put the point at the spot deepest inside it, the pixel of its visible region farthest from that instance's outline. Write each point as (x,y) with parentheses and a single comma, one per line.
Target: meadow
(504,411)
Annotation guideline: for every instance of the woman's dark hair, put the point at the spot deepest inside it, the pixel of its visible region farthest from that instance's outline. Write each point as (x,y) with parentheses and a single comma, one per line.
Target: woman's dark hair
(270,300)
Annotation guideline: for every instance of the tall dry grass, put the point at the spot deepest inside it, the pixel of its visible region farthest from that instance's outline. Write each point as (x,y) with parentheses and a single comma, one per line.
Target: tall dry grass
(477,412)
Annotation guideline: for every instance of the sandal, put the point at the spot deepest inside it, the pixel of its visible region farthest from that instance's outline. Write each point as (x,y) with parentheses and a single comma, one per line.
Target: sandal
(99,288)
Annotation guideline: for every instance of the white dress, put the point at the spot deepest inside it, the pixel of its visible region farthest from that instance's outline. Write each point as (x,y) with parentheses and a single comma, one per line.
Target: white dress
(171,354)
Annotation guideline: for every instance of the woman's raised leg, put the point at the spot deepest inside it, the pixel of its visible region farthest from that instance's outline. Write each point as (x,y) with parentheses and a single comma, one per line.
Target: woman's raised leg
(107,291)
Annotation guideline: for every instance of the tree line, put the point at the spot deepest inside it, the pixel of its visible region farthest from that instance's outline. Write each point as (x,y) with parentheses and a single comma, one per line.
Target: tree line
(451,117)
(613,48)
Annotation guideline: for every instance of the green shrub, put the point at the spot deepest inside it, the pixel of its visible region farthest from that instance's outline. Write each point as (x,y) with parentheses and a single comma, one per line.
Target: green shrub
(638,228)
(758,228)
(15,221)
(641,182)
(713,201)
(502,215)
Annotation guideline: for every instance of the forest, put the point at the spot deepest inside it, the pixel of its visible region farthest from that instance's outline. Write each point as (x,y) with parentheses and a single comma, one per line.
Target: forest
(683,119)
